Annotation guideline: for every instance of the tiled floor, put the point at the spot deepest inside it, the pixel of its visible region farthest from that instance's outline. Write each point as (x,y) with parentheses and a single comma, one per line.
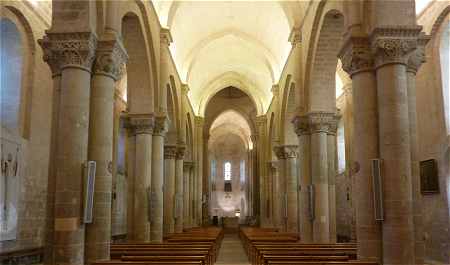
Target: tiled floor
(232,252)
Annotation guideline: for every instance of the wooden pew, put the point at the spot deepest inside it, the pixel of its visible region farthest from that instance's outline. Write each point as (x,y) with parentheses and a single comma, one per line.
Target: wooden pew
(293,262)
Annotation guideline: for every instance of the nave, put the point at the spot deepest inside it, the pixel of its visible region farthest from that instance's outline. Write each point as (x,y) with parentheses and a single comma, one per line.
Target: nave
(314,129)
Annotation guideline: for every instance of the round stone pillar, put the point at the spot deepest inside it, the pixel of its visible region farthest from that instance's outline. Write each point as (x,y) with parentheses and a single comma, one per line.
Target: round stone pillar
(192,196)
(170,152)
(415,61)
(187,194)
(287,155)
(357,61)
(110,58)
(391,47)
(157,197)
(278,192)
(75,51)
(301,126)
(332,172)
(179,189)
(139,181)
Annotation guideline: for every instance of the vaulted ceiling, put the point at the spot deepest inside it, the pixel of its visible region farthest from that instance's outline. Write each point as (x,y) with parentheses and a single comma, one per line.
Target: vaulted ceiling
(229,43)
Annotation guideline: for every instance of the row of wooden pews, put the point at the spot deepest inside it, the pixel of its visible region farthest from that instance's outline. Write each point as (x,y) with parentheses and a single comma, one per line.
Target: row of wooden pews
(196,246)
(267,246)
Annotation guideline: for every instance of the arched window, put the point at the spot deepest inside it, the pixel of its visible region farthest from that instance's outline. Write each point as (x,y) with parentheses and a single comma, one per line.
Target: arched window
(227,171)
(444,51)
(11,59)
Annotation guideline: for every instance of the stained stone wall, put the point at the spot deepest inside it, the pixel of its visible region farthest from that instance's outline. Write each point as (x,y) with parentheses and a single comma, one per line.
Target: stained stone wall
(36,94)
(433,137)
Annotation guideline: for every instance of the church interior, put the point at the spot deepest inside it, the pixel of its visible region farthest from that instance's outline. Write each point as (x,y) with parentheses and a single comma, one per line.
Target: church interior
(152,132)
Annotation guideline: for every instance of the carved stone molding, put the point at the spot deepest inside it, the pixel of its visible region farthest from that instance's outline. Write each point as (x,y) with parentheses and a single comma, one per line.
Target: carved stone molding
(295,37)
(285,151)
(418,57)
(316,122)
(110,59)
(161,125)
(181,150)
(275,90)
(188,165)
(261,120)
(74,49)
(170,151)
(199,121)
(184,89)
(356,55)
(166,36)
(140,123)
(392,45)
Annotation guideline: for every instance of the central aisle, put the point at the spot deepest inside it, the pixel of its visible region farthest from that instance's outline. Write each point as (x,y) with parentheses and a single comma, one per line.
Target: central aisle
(232,252)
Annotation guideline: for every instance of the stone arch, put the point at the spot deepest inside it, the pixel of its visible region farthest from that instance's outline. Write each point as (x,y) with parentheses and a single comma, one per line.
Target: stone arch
(322,57)
(146,27)
(273,137)
(189,138)
(287,113)
(172,112)
(27,50)
(138,70)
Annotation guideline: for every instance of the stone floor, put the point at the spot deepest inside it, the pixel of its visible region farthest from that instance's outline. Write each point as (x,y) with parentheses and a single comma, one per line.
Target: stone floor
(232,252)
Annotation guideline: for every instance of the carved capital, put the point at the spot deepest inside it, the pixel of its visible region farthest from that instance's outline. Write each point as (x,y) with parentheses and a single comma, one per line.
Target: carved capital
(188,165)
(261,120)
(184,89)
(295,37)
(392,45)
(181,150)
(166,36)
(356,55)
(316,122)
(199,121)
(140,123)
(161,125)
(418,57)
(170,151)
(285,151)
(110,59)
(275,90)
(63,50)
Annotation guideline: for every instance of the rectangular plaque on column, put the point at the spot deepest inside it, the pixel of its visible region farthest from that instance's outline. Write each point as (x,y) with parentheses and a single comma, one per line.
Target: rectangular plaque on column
(311,196)
(429,177)
(89,186)
(377,182)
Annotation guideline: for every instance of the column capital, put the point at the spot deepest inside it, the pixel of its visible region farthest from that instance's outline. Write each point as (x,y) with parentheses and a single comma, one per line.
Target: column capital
(316,122)
(170,151)
(184,89)
(418,57)
(139,123)
(110,58)
(161,125)
(392,45)
(69,49)
(181,150)
(275,90)
(261,120)
(295,36)
(187,165)
(356,55)
(199,121)
(285,151)
(166,36)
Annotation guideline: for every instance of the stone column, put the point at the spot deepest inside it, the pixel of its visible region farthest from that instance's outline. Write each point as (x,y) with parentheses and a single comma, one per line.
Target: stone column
(357,61)
(139,185)
(261,124)
(156,223)
(170,152)
(49,236)
(192,196)
(287,155)
(391,47)
(255,180)
(198,185)
(110,58)
(206,187)
(332,172)
(277,191)
(75,52)
(415,61)
(301,126)
(179,189)
(187,194)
